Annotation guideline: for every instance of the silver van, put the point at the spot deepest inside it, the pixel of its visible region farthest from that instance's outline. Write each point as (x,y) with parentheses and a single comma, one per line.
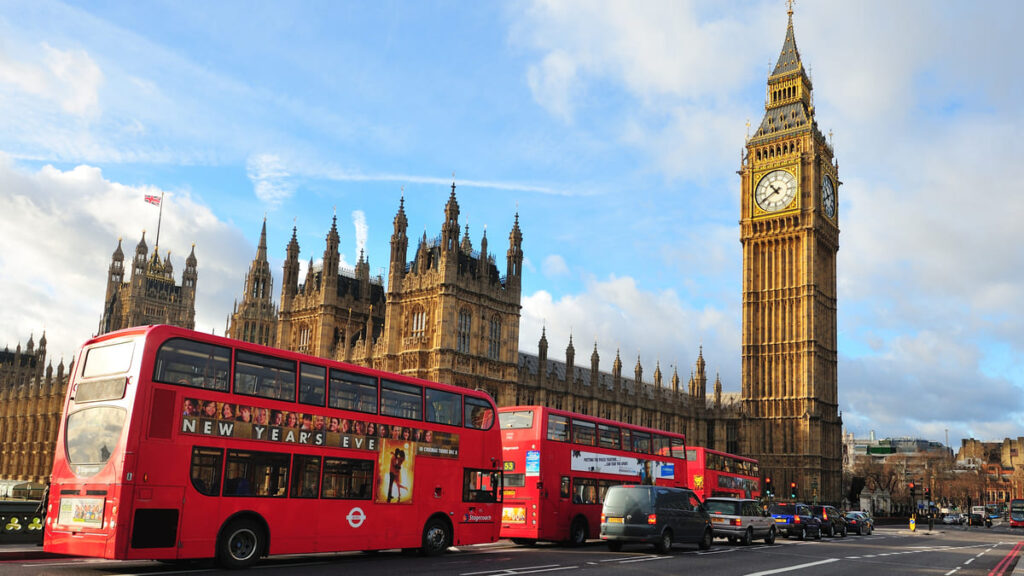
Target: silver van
(740,519)
(655,515)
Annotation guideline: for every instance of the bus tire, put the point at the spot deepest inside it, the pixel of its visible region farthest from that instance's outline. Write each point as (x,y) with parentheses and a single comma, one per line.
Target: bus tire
(529,542)
(577,532)
(240,544)
(437,537)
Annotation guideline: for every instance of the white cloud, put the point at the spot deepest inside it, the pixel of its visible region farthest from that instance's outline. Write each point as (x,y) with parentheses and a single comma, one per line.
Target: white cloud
(619,315)
(69,78)
(61,227)
(554,265)
(552,82)
(271,180)
(362,230)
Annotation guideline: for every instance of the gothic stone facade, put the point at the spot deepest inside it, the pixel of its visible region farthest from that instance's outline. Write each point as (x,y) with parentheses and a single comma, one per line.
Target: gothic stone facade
(31,399)
(789,229)
(152,296)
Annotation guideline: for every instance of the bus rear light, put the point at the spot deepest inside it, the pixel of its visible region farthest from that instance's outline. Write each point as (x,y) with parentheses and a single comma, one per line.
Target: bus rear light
(603,518)
(652,519)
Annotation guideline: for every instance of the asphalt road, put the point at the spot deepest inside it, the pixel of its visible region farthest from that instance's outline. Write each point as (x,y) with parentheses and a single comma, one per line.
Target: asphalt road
(889,551)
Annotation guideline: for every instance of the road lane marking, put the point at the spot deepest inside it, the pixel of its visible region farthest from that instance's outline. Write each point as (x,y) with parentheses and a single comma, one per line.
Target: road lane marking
(523,570)
(793,568)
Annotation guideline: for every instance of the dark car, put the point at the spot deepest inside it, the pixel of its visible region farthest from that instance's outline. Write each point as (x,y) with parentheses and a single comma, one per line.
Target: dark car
(979,520)
(656,515)
(859,522)
(795,519)
(832,521)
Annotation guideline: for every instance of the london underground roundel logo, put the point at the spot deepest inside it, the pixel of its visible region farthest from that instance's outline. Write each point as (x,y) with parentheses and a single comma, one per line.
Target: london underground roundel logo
(356,517)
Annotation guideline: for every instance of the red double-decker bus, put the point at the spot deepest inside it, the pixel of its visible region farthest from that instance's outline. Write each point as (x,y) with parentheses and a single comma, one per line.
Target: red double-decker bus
(1016,513)
(176,444)
(714,473)
(558,466)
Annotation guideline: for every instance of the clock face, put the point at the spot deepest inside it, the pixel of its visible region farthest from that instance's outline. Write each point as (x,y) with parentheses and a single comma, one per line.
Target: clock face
(775,190)
(828,197)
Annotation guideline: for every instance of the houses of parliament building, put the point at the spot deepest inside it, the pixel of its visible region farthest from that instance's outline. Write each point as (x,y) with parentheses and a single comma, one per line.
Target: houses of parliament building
(448,314)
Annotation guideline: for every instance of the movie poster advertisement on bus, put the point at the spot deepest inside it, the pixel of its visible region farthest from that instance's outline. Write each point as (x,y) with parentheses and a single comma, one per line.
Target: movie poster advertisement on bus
(244,422)
(396,471)
(583,461)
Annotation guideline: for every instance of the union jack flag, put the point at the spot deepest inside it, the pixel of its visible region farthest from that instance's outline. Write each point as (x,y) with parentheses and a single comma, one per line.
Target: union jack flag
(152,199)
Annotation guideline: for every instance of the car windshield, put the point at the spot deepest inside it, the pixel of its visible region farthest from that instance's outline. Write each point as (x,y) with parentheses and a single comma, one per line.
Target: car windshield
(722,507)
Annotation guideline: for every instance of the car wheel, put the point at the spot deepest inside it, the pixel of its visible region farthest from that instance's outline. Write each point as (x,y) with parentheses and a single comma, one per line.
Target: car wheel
(843,533)
(817,535)
(705,542)
(664,546)
(770,538)
(870,530)
(748,537)
(615,546)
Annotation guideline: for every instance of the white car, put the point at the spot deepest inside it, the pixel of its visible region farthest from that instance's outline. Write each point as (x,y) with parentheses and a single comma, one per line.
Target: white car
(740,519)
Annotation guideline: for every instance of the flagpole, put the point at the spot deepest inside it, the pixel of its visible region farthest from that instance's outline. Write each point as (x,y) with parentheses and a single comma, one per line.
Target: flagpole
(159,220)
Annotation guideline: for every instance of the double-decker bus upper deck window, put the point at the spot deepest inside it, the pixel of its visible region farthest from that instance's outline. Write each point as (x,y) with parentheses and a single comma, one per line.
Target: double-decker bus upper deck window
(661,445)
(205,470)
(312,384)
(607,436)
(402,400)
(518,420)
(678,448)
(264,376)
(91,436)
(479,414)
(558,428)
(191,363)
(347,479)
(584,432)
(350,391)
(444,407)
(627,439)
(641,442)
(305,476)
(110,359)
(251,473)
(691,454)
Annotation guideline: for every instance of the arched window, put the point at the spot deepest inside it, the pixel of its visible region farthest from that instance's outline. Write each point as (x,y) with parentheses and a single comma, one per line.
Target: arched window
(494,339)
(419,323)
(464,330)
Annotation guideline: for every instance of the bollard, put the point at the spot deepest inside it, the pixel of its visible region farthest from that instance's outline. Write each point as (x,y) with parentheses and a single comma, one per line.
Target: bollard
(913,524)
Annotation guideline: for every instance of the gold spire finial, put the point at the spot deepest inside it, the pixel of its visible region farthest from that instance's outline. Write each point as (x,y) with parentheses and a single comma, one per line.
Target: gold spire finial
(789,9)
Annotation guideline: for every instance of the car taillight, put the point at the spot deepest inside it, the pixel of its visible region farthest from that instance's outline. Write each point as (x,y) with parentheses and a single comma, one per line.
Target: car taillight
(652,518)
(602,518)
(824,515)
(853,521)
(796,519)
(737,522)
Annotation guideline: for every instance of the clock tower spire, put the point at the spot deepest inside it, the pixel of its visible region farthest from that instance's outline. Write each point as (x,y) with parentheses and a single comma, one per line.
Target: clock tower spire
(789,229)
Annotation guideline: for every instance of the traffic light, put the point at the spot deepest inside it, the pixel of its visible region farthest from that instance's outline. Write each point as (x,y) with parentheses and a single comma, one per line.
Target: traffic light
(768,487)
(913,489)
(792,490)
(928,494)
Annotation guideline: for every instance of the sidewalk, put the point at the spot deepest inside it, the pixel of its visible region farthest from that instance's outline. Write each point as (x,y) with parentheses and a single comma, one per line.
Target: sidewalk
(26,551)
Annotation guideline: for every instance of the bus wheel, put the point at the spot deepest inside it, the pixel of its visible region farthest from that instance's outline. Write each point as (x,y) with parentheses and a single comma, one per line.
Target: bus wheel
(578,532)
(524,541)
(239,544)
(437,537)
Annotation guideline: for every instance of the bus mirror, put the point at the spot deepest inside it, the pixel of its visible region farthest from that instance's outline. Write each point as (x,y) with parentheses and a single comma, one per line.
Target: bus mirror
(540,485)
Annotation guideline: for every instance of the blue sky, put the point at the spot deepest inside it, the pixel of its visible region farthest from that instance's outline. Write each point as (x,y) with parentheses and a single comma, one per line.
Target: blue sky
(614,129)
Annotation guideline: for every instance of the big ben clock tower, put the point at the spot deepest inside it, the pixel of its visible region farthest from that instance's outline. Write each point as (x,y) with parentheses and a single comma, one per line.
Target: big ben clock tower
(789,229)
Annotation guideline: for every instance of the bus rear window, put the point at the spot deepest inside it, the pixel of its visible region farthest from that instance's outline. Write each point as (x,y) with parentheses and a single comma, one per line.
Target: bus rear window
(91,437)
(518,420)
(191,363)
(110,359)
(479,414)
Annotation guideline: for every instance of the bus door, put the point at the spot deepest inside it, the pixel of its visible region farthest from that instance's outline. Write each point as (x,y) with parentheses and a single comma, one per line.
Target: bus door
(561,505)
